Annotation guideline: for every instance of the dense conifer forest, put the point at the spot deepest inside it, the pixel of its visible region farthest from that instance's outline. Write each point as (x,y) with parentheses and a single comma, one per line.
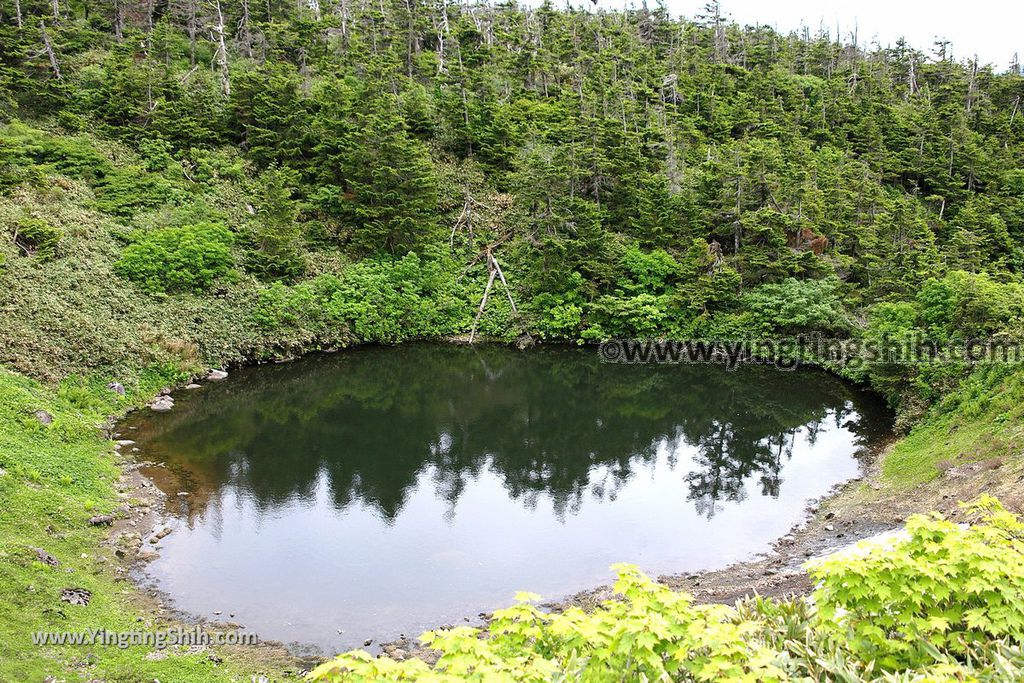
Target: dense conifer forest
(634,174)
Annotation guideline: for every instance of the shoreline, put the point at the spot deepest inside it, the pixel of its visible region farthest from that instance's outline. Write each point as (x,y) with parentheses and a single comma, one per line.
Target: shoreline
(859,508)
(775,571)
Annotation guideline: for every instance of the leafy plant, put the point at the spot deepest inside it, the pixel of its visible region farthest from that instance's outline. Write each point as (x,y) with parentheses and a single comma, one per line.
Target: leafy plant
(183,259)
(35,237)
(944,588)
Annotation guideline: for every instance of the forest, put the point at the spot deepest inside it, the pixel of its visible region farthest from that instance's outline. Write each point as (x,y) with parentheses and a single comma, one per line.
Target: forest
(193,184)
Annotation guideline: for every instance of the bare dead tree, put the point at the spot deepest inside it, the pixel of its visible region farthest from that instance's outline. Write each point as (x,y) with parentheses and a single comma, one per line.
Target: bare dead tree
(465,219)
(494,270)
(313,6)
(972,85)
(244,31)
(220,57)
(119,20)
(442,31)
(342,11)
(17,13)
(49,51)
(192,27)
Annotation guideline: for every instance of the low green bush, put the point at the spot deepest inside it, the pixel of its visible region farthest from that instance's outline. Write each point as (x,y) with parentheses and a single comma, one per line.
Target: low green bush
(35,237)
(389,300)
(944,588)
(943,604)
(183,259)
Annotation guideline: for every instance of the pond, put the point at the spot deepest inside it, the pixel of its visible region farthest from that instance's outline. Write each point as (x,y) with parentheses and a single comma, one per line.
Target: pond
(383,491)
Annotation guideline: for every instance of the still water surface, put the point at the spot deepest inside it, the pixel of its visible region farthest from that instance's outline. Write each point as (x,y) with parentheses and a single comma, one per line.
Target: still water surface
(382,491)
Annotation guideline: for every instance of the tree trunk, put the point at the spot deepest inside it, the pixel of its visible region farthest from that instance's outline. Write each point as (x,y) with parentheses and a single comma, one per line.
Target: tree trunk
(118,20)
(192,29)
(222,52)
(49,51)
(246,34)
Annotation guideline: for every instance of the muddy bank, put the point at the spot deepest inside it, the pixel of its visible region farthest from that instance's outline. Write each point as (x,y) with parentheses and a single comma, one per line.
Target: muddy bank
(137,526)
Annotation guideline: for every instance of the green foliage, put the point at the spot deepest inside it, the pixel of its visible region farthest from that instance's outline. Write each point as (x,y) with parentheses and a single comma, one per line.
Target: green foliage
(389,197)
(943,604)
(184,259)
(795,306)
(36,238)
(390,300)
(942,589)
(277,235)
(384,300)
(654,633)
(972,423)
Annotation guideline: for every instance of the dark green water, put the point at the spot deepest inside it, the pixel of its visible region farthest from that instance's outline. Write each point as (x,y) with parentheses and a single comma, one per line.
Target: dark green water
(382,491)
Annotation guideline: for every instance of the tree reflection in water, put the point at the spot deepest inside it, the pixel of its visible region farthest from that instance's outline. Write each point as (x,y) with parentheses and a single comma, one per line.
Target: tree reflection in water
(554,425)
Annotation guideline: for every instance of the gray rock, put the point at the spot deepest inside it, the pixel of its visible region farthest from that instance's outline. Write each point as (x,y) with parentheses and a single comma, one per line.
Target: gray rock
(162,404)
(44,417)
(193,386)
(46,558)
(217,375)
(117,388)
(101,520)
(147,555)
(76,596)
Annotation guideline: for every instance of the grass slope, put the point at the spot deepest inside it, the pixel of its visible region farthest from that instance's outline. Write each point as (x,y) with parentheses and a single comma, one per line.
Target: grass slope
(982,423)
(54,477)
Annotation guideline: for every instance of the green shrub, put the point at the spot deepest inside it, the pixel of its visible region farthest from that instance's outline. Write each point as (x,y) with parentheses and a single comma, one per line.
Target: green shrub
(653,634)
(184,259)
(944,588)
(35,237)
(389,300)
(793,306)
(376,300)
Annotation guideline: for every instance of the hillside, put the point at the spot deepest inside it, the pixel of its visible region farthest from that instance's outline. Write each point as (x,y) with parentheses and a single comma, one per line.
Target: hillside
(187,185)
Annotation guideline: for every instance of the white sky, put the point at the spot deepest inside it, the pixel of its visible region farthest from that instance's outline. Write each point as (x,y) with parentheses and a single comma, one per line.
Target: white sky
(992,29)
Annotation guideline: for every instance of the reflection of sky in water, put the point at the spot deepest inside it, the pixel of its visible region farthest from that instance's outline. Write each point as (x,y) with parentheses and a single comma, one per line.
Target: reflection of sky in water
(304,569)
(385,491)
